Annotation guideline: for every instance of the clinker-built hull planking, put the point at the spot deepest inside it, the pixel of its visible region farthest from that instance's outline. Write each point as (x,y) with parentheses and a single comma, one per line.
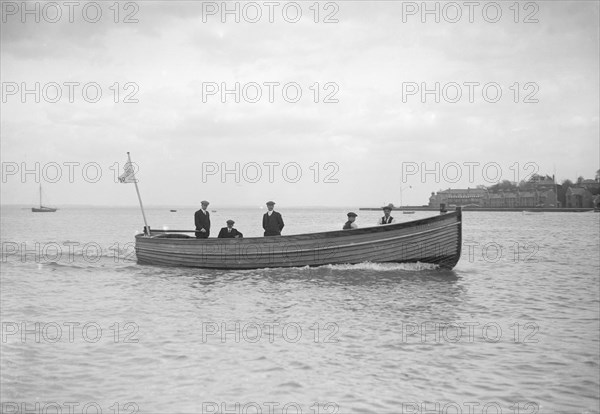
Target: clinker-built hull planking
(434,240)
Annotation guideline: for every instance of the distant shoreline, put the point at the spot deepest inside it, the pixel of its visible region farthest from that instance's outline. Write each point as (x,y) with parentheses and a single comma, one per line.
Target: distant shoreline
(491,209)
(404,208)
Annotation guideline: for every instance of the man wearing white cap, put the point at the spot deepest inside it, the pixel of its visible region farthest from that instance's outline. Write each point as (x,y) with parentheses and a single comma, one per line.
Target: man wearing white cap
(272,221)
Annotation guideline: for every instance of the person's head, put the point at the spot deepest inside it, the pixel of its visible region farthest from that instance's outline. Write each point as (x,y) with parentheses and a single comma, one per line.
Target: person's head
(230,223)
(387,210)
(204,204)
(270,205)
(352,216)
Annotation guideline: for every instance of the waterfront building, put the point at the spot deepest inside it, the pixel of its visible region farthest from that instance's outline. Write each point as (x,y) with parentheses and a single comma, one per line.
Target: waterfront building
(579,197)
(481,197)
(459,197)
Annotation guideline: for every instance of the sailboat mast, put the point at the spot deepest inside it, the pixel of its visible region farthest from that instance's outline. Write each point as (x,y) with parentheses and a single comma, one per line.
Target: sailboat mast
(40,195)
(555,190)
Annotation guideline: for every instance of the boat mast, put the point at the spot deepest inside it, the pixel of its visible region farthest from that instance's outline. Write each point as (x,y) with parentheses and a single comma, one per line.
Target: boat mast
(40,195)
(555,190)
(403,188)
(146,228)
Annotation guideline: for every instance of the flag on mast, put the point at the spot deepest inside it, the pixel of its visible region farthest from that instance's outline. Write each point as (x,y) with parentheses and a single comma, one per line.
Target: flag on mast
(128,175)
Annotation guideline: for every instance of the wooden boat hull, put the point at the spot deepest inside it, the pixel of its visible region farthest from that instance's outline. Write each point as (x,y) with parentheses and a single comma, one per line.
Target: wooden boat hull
(434,240)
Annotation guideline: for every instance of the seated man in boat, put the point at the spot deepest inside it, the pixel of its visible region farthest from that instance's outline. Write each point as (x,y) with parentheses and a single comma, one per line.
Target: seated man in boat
(350,224)
(229,232)
(386,219)
(272,221)
(202,220)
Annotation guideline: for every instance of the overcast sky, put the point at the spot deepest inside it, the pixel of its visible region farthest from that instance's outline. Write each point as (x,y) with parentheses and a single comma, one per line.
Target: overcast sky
(369,135)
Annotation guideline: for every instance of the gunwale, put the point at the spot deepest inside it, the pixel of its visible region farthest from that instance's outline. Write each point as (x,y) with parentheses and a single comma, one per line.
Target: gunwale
(335,233)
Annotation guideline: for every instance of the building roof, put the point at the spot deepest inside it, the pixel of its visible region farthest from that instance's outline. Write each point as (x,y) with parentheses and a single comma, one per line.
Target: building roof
(462,191)
(593,190)
(576,191)
(540,179)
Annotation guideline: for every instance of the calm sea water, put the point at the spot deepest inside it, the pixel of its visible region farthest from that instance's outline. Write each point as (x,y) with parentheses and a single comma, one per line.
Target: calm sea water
(514,328)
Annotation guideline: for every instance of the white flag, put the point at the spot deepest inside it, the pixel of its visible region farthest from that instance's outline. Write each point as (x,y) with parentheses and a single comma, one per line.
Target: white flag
(128,176)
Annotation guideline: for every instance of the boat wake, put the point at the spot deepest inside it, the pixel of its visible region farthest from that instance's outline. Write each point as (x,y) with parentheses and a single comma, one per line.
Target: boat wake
(384,267)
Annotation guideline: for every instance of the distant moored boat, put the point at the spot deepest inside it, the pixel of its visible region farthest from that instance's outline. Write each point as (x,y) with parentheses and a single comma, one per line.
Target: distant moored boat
(527,212)
(42,209)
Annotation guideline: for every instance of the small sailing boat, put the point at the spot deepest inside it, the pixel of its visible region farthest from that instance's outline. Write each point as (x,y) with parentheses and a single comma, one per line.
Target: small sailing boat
(42,209)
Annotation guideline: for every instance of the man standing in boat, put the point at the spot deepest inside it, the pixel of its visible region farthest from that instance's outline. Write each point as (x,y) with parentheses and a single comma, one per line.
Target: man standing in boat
(202,220)
(350,224)
(386,219)
(229,232)
(272,221)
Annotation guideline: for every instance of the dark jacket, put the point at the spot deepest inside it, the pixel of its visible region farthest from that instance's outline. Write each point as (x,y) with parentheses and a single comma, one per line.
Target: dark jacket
(202,222)
(225,234)
(272,224)
(348,225)
(384,220)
